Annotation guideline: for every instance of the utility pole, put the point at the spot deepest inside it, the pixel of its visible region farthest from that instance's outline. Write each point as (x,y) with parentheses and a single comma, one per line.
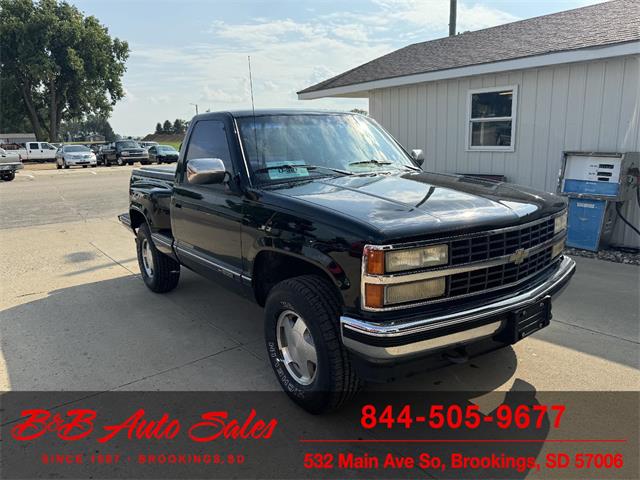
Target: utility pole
(195,105)
(452,17)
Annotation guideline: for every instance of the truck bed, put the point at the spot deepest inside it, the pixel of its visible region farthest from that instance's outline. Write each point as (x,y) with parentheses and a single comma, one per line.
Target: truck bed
(164,172)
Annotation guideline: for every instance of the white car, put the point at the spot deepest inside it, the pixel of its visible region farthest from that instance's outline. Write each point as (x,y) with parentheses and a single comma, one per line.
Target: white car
(75,155)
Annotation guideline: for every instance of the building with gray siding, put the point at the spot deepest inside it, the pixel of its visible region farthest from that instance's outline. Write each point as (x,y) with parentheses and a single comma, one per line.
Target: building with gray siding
(509,100)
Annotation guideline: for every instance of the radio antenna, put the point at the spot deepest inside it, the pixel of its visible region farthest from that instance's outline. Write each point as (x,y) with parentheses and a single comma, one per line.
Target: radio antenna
(253,107)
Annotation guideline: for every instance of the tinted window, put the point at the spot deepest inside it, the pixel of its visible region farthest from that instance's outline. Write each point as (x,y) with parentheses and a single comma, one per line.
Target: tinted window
(33,146)
(209,140)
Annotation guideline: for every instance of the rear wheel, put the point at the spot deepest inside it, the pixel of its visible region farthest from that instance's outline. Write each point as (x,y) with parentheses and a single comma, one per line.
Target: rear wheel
(303,344)
(159,271)
(7,177)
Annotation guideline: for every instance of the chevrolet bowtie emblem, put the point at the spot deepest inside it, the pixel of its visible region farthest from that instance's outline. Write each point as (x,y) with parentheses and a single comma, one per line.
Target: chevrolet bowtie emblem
(518,256)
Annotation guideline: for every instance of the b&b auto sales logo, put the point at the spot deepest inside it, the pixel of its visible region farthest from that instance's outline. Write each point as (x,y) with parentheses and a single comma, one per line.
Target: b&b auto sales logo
(80,424)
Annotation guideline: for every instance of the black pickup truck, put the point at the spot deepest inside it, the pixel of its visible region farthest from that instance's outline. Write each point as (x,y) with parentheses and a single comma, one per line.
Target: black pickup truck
(123,152)
(368,268)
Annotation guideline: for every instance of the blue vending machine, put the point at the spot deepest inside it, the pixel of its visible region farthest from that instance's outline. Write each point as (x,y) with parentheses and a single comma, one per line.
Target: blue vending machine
(594,182)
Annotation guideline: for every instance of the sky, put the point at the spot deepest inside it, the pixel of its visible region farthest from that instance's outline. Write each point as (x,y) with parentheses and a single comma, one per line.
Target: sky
(186,52)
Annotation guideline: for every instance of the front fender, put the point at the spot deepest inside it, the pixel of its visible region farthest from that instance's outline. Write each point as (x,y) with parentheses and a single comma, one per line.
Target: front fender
(322,246)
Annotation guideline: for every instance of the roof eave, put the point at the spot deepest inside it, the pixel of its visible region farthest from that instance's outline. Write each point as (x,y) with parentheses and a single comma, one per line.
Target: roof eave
(555,58)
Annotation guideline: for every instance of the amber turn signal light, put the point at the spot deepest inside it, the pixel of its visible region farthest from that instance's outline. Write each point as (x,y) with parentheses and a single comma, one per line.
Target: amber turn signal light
(375,261)
(374,295)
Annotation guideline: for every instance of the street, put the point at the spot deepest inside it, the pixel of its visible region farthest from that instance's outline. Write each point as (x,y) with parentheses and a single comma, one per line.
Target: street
(76,316)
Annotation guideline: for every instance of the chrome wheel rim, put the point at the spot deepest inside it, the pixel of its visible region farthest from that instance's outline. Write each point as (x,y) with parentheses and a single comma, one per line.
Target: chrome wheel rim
(147,258)
(297,348)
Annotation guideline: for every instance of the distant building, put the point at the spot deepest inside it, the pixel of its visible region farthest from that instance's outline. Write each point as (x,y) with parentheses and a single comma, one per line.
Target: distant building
(94,137)
(17,137)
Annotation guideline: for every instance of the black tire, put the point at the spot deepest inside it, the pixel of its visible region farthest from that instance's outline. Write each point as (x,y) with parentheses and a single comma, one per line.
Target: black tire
(65,165)
(107,163)
(315,300)
(84,166)
(94,165)
(58,166)
(166,271)
(7,177)
(130,164)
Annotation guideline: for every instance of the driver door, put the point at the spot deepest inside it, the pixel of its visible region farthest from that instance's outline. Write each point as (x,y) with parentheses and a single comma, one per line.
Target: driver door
(206,219)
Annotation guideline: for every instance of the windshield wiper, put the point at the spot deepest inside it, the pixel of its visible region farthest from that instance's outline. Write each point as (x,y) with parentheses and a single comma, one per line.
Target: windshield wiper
(372,161)
(308,167)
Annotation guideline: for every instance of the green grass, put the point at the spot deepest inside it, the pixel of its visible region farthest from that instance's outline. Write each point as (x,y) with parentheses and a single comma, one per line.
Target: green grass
(175,145)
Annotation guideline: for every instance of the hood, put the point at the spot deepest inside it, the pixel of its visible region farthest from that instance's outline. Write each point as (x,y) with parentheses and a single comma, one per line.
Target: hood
(410,205)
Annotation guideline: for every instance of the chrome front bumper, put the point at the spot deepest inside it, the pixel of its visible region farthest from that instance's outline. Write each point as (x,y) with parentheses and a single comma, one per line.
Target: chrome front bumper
(368,339)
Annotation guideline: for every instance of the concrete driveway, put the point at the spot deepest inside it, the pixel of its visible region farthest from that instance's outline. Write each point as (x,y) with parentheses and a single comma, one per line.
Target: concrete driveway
(76,316)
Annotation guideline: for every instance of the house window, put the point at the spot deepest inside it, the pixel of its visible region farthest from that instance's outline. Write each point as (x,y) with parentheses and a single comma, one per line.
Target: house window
(492,118)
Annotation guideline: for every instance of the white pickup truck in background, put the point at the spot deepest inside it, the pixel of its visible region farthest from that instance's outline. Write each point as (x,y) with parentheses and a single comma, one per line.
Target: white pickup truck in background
(39,152)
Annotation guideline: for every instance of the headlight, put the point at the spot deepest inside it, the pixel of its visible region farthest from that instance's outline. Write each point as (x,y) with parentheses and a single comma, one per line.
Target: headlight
(412,259)
(410,292)
(560,223)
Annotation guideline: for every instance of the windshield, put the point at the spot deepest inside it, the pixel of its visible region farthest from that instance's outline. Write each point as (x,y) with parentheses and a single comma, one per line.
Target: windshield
(128,145)
(162,148)
(295,147)
(76,148)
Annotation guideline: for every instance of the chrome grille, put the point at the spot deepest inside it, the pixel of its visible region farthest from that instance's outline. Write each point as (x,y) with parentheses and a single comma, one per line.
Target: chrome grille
(491,245)
(494,277)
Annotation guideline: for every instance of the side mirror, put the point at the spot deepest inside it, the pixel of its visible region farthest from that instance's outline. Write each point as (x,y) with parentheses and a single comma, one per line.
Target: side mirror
(205,171)
(418,156)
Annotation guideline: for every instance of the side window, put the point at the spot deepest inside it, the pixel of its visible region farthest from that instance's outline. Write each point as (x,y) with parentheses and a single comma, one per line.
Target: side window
(209,140)
(34,146)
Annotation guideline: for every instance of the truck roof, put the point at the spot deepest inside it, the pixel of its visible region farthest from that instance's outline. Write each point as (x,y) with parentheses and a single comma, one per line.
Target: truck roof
(272,111)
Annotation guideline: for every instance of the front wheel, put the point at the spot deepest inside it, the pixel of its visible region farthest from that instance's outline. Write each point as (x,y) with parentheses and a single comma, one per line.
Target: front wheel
(304,347)
(7,177)
(58,166)
(159,271)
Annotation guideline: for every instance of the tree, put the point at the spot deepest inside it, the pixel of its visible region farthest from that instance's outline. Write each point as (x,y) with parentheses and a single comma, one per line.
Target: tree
(65,65)
(359,110)
(81,128)
(179,126)
(167,127)
(158,128)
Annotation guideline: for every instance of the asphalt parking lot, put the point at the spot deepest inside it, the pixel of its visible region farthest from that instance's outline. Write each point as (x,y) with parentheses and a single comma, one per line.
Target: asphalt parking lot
(75,315)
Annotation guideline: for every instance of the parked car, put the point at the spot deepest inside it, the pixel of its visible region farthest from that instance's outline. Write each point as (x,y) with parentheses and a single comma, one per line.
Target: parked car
(10,162)
(99,154)
(368,267)
(39,152)
(163,154)
(147,144)
(75,155)
(124,152)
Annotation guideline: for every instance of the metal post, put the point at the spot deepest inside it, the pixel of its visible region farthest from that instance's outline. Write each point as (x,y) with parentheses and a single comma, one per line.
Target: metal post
(452,17)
